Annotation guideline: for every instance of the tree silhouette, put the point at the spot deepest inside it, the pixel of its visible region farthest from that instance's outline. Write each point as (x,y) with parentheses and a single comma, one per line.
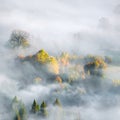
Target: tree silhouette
(57,102)
(22,112)
(43,110)
(35,107)
(19,38)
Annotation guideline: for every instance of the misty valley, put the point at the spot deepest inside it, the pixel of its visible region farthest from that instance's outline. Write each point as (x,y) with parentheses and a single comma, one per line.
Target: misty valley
(45,85)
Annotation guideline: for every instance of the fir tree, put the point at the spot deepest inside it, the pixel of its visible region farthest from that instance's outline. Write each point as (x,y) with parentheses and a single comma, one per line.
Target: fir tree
(35,107)
(15,99)
(43,109)
(22,112)
(57,102)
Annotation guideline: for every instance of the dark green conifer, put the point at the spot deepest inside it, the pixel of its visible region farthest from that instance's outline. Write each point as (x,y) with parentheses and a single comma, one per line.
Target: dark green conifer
(43,109)
(35,107)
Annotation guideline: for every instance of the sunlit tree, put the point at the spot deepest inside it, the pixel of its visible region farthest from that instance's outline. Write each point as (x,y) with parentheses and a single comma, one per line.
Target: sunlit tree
(96,66)
(19,109)
(42,56)
(50,62)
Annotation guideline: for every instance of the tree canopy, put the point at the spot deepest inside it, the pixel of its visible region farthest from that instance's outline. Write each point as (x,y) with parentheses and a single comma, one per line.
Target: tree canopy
(45,59)
(19,38)
(95,65)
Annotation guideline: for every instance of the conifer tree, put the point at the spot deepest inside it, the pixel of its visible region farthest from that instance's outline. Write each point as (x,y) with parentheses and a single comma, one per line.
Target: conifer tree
(15,100)
(22,112)
(43,109)
(35,107)
(57,102)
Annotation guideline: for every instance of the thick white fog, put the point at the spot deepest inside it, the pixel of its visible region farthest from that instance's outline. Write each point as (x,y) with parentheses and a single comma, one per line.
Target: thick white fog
(74,26)
(96,22)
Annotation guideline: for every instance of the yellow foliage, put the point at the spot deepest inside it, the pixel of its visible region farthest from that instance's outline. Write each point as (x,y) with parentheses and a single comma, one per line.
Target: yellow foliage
(53,65)
(64,59)
(43,57)
(97,64)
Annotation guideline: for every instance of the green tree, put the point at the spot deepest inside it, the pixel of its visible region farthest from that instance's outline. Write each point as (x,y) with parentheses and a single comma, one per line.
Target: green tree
(19,109)
(57,102)
(15,103)
(22,112)
(35,107)
(17,116)
(43,109)
(15,100)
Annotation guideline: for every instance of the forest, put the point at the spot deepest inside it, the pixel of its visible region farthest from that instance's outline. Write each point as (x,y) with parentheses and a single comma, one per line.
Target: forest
(74,75)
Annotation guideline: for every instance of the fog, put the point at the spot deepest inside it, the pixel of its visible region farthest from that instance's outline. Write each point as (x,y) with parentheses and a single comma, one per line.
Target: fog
(77,27)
